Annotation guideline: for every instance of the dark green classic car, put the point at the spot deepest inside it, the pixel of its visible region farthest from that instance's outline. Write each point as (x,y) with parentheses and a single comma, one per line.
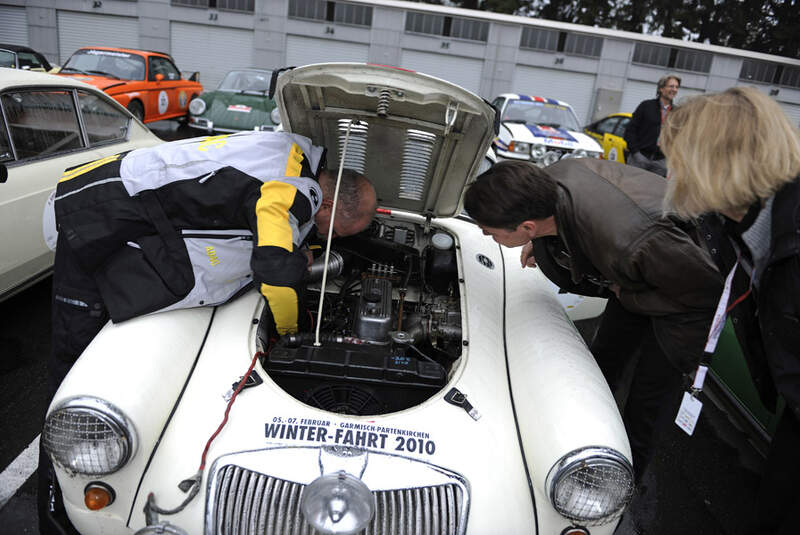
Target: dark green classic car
(239,103)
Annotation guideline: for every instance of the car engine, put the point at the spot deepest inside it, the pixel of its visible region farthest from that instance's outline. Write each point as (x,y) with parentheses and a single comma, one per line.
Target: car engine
(390,328)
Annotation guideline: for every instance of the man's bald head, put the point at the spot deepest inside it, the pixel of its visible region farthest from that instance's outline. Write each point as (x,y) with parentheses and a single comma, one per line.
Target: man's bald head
(355,206)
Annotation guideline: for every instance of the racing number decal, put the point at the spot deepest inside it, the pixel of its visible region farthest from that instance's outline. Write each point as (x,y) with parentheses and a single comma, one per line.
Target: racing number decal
(612,154)
(182,99)
(163,102)
(364,435)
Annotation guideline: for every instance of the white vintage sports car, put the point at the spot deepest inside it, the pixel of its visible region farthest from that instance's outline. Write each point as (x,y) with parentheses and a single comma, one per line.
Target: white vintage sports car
(542,130)
(444,390)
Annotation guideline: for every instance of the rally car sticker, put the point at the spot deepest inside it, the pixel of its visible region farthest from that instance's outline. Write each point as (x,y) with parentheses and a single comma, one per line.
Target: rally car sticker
(182,99)
(239,107)
(550,132)
(163,102)
(342,433)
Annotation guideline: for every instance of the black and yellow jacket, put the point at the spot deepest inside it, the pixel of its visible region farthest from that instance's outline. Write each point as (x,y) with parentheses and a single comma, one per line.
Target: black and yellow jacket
(192,222)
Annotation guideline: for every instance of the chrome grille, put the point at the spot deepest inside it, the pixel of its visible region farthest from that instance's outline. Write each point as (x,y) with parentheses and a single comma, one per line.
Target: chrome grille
(250,503)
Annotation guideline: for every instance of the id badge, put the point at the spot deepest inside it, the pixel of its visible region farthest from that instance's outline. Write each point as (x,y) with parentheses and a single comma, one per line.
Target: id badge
(688,413)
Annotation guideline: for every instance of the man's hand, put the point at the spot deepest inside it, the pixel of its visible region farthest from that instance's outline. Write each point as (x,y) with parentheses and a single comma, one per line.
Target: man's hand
(526,256)
(615,288)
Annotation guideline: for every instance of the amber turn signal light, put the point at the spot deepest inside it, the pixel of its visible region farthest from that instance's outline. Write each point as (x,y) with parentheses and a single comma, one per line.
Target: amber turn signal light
(97,495)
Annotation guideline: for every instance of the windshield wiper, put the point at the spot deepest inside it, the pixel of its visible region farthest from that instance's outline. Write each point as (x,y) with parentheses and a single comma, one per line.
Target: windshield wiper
(516,121)
(73,69)
(106,74)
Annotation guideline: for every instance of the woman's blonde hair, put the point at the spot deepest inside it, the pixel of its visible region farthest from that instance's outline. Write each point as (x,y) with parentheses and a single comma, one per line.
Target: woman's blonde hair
(727,150)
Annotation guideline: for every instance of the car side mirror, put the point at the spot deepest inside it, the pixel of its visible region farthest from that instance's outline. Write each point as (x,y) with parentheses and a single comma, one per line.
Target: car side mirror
(3,173)
(195,77)
(159,77)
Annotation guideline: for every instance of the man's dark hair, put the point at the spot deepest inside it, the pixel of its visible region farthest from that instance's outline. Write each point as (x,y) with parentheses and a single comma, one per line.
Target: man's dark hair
(509,193)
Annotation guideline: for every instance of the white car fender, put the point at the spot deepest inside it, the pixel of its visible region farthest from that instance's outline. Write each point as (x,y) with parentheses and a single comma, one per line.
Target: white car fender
(554,378)
(158,366)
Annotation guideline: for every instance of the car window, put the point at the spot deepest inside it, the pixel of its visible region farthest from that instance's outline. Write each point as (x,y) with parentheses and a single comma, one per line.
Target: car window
(621,126)
(41,122)
(111,63)
(30,61)
(159,65)
(606,126)
(5,146)
(541,113)
(103,121)
(245,81)
(7,59)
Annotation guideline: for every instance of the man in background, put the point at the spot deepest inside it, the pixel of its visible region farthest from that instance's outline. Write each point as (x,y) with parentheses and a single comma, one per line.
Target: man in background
(645,126)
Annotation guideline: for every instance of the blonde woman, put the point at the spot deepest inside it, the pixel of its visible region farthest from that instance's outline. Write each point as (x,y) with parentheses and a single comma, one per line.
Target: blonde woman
(736,155)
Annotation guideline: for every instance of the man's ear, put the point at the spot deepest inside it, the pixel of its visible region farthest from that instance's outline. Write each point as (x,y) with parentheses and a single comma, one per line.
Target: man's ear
(529,227)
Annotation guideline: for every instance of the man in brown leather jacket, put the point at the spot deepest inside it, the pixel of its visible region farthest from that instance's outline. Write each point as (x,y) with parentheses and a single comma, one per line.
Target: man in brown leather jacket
(596,228)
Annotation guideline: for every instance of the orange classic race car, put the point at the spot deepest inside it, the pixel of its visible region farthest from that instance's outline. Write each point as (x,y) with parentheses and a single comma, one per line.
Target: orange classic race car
(147,83)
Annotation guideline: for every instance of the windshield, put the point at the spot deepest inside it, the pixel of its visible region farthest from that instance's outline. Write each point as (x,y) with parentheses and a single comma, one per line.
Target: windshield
(110,63)
(541,113)
(245,81)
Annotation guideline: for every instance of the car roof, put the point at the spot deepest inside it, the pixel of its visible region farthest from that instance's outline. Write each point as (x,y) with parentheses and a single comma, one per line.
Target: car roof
(23,77)
(532,98)
(17,48)
(129,50)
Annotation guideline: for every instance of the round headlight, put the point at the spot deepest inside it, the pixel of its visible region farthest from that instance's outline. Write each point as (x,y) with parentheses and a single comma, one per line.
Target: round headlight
(88,436)
(197,106)
(519,147)
(338,503)
(538,151)
(275,116)
(580,153)
(591,486)
(551,157)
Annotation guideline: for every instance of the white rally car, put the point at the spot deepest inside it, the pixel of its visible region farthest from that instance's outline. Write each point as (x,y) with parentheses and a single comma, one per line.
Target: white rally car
(444,391)
(542,130)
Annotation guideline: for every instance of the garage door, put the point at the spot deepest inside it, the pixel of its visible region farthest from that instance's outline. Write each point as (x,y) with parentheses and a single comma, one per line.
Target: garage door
(233,49)
(574,88)
(76,30)
(13,25)
(635,92)
(465,72)
(304,50)
(793,111)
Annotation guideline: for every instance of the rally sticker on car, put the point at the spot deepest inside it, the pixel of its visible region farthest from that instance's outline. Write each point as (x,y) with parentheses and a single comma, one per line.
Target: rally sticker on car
(163,102)
(239,107)
(550,132)
(356,434)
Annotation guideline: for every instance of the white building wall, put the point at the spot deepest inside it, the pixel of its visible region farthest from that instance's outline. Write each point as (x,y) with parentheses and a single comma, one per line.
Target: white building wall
(386,40)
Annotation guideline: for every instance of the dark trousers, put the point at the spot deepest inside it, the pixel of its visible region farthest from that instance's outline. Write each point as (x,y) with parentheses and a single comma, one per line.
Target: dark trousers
(778,498)
(655,387)
(78,314)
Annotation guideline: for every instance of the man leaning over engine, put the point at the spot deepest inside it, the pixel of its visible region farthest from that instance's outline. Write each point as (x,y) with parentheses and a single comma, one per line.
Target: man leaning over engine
(190,223)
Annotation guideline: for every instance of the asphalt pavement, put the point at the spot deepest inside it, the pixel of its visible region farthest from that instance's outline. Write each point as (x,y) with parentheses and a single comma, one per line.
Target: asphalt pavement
(700,485)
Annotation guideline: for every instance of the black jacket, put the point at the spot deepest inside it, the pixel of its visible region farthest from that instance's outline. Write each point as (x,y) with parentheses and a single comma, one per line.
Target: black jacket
(611,230)
(642,132)
(767,323)
(193,222)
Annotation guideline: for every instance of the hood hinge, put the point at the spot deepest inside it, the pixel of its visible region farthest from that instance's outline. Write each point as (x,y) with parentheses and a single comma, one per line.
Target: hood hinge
(427,227)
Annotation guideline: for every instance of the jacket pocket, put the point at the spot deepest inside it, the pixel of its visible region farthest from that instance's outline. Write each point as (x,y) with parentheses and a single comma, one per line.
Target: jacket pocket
(141,278)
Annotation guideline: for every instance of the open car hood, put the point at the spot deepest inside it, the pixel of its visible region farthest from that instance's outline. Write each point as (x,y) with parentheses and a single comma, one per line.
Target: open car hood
(419,139)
